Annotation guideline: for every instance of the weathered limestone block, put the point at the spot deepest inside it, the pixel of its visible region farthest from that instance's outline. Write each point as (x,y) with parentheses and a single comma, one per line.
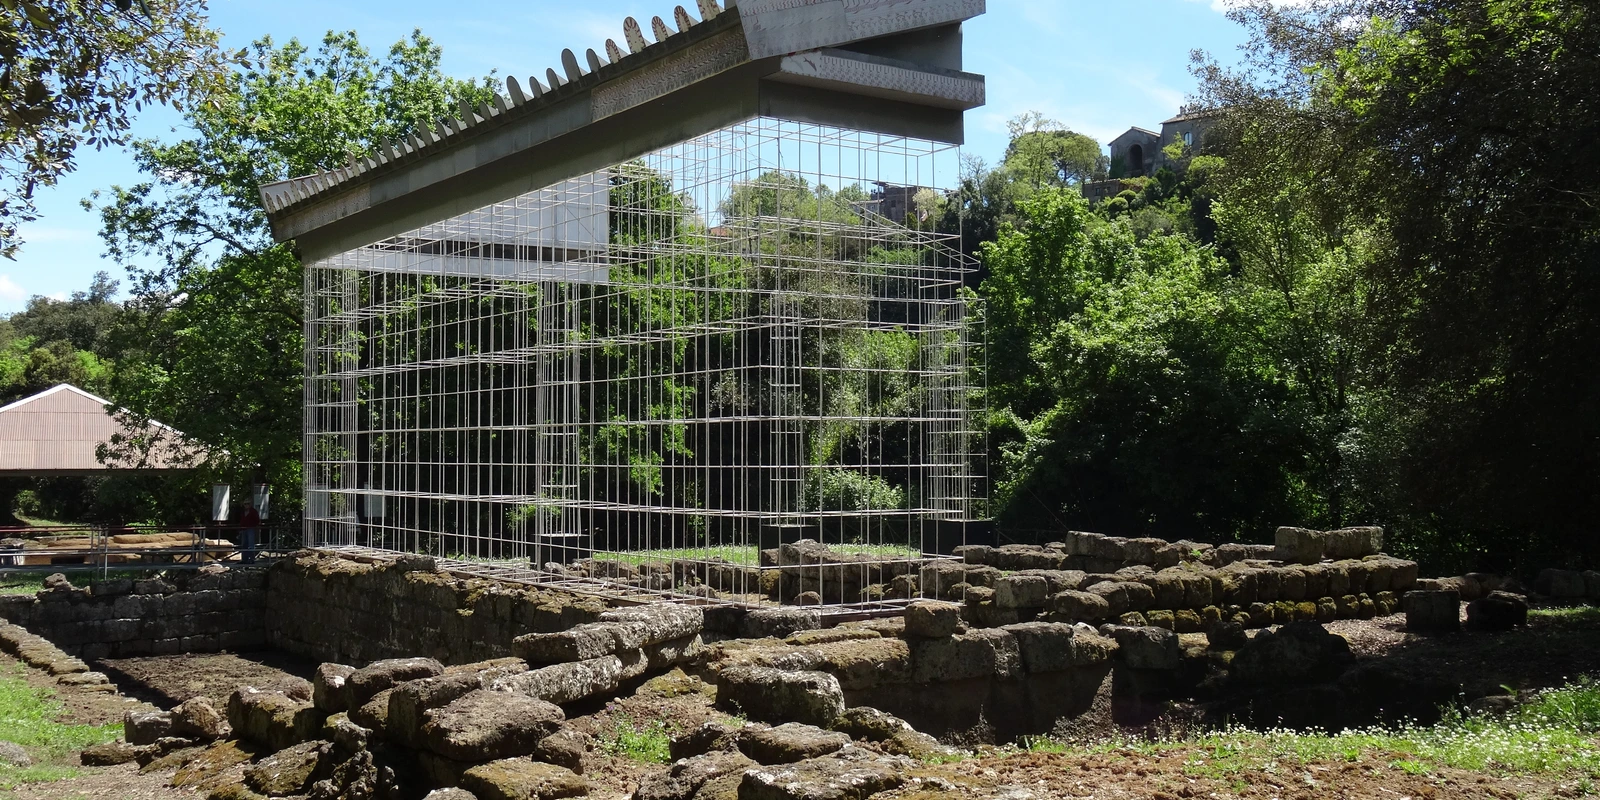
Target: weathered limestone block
(687,776)
(378,676)
(584,642)
(565,683)
(828,778)
(410,702)
(767,694)
(1021,591)
(328,687)
(522,779)
(145,727)
(708,737)
(1080,606)
(196,718)
(639,626)
(289,771)
(1433,611)
(1292,584)
(1500,611)
(1044,646)
(789,742)
(1298,653)
(982,652)
(483,726)
(779,622)
(1299,545)
(1358,542)
(927,619)
(1562,584)
(1123,596)
(373,714)
(1147,647)
(272,719)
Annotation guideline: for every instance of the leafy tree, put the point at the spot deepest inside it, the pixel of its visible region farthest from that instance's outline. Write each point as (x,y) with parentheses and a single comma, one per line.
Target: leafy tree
(1134,390)
(1044,153)
(75,73)
(1457,135)
(213,337)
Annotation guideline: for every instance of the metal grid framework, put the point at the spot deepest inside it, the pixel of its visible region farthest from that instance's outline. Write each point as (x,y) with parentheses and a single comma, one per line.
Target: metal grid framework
(725,344)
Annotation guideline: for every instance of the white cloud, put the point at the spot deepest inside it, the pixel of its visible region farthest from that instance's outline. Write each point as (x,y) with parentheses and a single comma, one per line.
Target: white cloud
(10,292)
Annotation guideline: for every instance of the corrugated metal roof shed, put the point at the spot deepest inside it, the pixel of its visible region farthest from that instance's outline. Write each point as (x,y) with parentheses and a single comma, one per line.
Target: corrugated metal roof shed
(56,432)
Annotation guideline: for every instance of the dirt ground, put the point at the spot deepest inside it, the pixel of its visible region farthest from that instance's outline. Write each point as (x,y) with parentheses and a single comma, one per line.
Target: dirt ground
(169,680)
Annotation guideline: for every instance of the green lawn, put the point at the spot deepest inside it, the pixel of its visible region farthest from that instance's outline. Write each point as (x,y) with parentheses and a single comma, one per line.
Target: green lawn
(1559,733)
(29,717)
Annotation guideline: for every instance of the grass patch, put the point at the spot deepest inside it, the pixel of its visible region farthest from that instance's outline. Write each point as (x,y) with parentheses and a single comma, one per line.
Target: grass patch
(33,581)
(1567,617)
(28,717)
(648,743)
(746,556)
(1554,734)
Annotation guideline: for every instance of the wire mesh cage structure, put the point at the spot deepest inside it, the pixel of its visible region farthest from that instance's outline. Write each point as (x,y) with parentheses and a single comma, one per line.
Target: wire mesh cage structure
(749,338)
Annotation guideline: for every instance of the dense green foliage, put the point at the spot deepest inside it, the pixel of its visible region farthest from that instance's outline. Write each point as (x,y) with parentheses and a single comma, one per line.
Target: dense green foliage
(1374,297)
(75,73)
(214,326)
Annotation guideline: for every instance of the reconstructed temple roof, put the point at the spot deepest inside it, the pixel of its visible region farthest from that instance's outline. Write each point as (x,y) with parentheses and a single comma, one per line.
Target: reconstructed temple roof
(887,66)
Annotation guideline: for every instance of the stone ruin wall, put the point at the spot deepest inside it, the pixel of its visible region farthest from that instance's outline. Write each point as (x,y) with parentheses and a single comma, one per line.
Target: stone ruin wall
(1185,587)
(183,611)
(327,608)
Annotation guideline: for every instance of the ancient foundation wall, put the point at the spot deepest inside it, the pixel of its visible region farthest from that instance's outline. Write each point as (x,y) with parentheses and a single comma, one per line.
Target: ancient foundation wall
(335,609)
(199,611)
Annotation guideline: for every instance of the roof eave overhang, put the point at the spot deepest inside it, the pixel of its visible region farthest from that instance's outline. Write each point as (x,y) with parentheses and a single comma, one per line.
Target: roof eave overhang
(902,83)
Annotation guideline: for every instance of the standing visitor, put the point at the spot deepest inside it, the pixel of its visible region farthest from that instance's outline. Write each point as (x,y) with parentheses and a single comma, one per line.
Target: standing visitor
(248,523)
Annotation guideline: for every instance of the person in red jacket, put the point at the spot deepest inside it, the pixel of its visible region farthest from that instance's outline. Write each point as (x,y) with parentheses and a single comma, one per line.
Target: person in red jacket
(248,524)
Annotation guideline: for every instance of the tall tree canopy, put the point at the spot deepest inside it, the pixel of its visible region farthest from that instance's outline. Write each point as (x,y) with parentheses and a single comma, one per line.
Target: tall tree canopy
(214,322)
(1449,144)
(75,73)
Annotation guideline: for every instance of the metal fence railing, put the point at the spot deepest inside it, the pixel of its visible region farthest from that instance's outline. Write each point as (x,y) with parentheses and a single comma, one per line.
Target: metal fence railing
(108,548)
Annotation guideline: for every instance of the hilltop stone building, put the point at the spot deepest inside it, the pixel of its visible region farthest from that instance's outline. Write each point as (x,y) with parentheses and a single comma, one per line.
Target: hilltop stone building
(1140,151)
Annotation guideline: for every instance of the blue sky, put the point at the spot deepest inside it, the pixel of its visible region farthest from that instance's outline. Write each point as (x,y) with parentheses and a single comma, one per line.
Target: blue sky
(1096,66)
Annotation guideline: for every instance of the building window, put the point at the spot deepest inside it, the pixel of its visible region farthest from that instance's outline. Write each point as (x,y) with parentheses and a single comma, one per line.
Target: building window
(1188,138)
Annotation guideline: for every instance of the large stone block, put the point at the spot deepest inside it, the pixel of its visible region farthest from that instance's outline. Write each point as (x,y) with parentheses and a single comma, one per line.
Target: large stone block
(789,742)
(1147,648)
(145,727)
(378,676)
(828,778)
(1500,611)
(565,683)
(1021,591)
(410,702)
(328,687)
(774,695)
(929,619)
(639,626)
(1044,646)
(522,779)
(779,622)
(1295,654)
(272,719)
(483,726)
(1432,611)
(577,644)
(984,652)
(1562,584)
(1299,545)
(1080,606)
